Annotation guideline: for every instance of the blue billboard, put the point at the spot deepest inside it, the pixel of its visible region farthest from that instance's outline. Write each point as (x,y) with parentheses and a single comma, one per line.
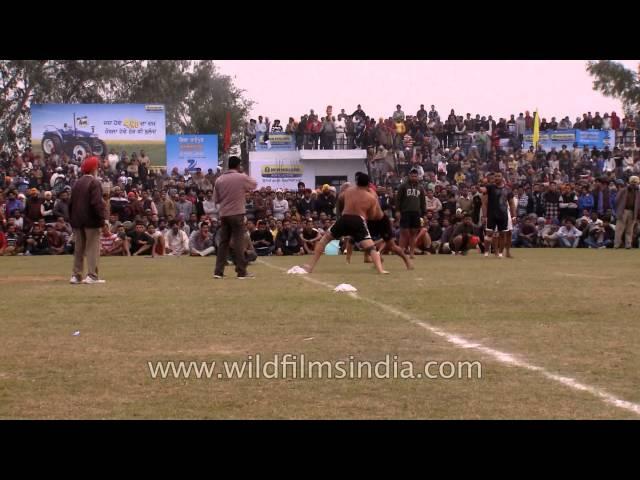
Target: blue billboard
(190,152)
(556,138)
(78,130)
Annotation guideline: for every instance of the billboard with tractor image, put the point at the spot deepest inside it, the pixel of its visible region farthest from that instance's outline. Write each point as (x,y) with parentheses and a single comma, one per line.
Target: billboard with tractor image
(83,129)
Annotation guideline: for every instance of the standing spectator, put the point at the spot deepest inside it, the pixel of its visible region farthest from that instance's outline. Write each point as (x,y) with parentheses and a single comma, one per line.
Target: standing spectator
(341,129)
(327,134)
(184,207)
(87,214)
(627,209)
(585,201)
(551,202)
(276,128)
(229,193)
(46,209)
(33,207)
(568,204)
(398,115)
(112,161)
(61,206)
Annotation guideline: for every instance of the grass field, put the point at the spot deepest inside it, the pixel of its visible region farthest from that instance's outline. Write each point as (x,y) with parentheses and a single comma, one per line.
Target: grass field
(572,313)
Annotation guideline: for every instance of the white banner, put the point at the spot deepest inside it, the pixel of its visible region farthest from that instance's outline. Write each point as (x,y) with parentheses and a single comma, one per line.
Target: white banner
(277,169)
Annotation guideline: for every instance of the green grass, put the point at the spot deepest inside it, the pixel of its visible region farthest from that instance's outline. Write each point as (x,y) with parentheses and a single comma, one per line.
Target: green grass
(571,312)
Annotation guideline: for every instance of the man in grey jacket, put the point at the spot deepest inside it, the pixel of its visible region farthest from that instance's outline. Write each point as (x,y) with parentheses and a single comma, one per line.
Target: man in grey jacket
(627,209)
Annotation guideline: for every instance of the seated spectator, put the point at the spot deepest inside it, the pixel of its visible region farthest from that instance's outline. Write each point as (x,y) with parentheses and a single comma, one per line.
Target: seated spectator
(569,235)
(158,249)
(176,240)
(14,241)
(262,240)
(112,244)
(309,236)
(600,235)
(287,241)
(37,242)
(56,240)
(527,236)
(140,241)
(201,242)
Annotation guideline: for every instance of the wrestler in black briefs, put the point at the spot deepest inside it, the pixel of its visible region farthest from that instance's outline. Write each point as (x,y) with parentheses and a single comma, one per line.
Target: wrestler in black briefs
(381,228)
(351,226)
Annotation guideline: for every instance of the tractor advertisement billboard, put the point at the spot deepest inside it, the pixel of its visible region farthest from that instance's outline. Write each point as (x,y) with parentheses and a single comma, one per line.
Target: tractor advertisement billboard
(84,129)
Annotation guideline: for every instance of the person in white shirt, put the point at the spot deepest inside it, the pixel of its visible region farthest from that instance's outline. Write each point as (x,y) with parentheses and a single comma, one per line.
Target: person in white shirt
(55,176)
(280,205)
(113,159)
(569,235)
(341,137)
(210,207)
(176,240)
(609,165)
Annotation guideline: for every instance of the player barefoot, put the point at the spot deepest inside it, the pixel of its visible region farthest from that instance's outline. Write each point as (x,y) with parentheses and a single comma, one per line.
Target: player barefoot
(359,205)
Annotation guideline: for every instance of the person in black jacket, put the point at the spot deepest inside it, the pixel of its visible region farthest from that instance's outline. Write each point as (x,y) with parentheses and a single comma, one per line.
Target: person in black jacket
(88,213)
(411,201)
(326,201)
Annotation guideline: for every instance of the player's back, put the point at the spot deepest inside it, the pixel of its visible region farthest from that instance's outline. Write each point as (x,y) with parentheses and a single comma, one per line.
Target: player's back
(358,201)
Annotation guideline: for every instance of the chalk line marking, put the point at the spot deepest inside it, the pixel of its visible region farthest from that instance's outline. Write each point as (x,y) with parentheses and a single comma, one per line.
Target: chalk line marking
(497,355)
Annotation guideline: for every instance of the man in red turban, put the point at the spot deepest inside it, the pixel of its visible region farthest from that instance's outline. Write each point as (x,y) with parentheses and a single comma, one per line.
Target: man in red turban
(87,213)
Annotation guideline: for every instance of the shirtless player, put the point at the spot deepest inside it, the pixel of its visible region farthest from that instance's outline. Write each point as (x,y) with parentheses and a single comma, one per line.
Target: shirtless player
(359,204)
(380,225)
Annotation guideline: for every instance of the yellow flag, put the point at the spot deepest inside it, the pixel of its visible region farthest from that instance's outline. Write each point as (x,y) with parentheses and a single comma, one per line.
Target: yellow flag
(536,130)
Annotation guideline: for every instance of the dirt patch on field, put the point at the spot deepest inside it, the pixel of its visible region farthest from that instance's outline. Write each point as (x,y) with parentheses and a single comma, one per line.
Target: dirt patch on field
(31,279)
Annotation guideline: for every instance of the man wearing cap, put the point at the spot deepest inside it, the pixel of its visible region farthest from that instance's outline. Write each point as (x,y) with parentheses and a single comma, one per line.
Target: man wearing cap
(87,213)
(627,209)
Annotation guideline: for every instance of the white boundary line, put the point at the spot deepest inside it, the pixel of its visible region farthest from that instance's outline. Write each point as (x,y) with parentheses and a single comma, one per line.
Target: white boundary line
(497,355)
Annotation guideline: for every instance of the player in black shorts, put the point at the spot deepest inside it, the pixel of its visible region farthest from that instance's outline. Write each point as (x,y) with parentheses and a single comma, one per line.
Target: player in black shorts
(358,205)
(411,201)
(496,201)
(382,228)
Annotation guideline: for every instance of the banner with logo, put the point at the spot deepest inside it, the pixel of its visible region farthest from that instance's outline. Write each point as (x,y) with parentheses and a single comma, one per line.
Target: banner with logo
(556,138)
(277,141)
(278,170)
(84,129)
(190,152)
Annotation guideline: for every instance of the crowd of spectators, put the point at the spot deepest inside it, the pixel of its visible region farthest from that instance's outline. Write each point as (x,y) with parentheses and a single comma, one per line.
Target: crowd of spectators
(427,130)
(155,212)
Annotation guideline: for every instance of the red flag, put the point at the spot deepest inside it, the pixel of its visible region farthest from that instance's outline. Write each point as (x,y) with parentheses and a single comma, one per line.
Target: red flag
(227,134)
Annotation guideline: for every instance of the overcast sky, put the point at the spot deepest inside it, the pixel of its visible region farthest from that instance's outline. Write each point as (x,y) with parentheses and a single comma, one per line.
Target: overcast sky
(284,88)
